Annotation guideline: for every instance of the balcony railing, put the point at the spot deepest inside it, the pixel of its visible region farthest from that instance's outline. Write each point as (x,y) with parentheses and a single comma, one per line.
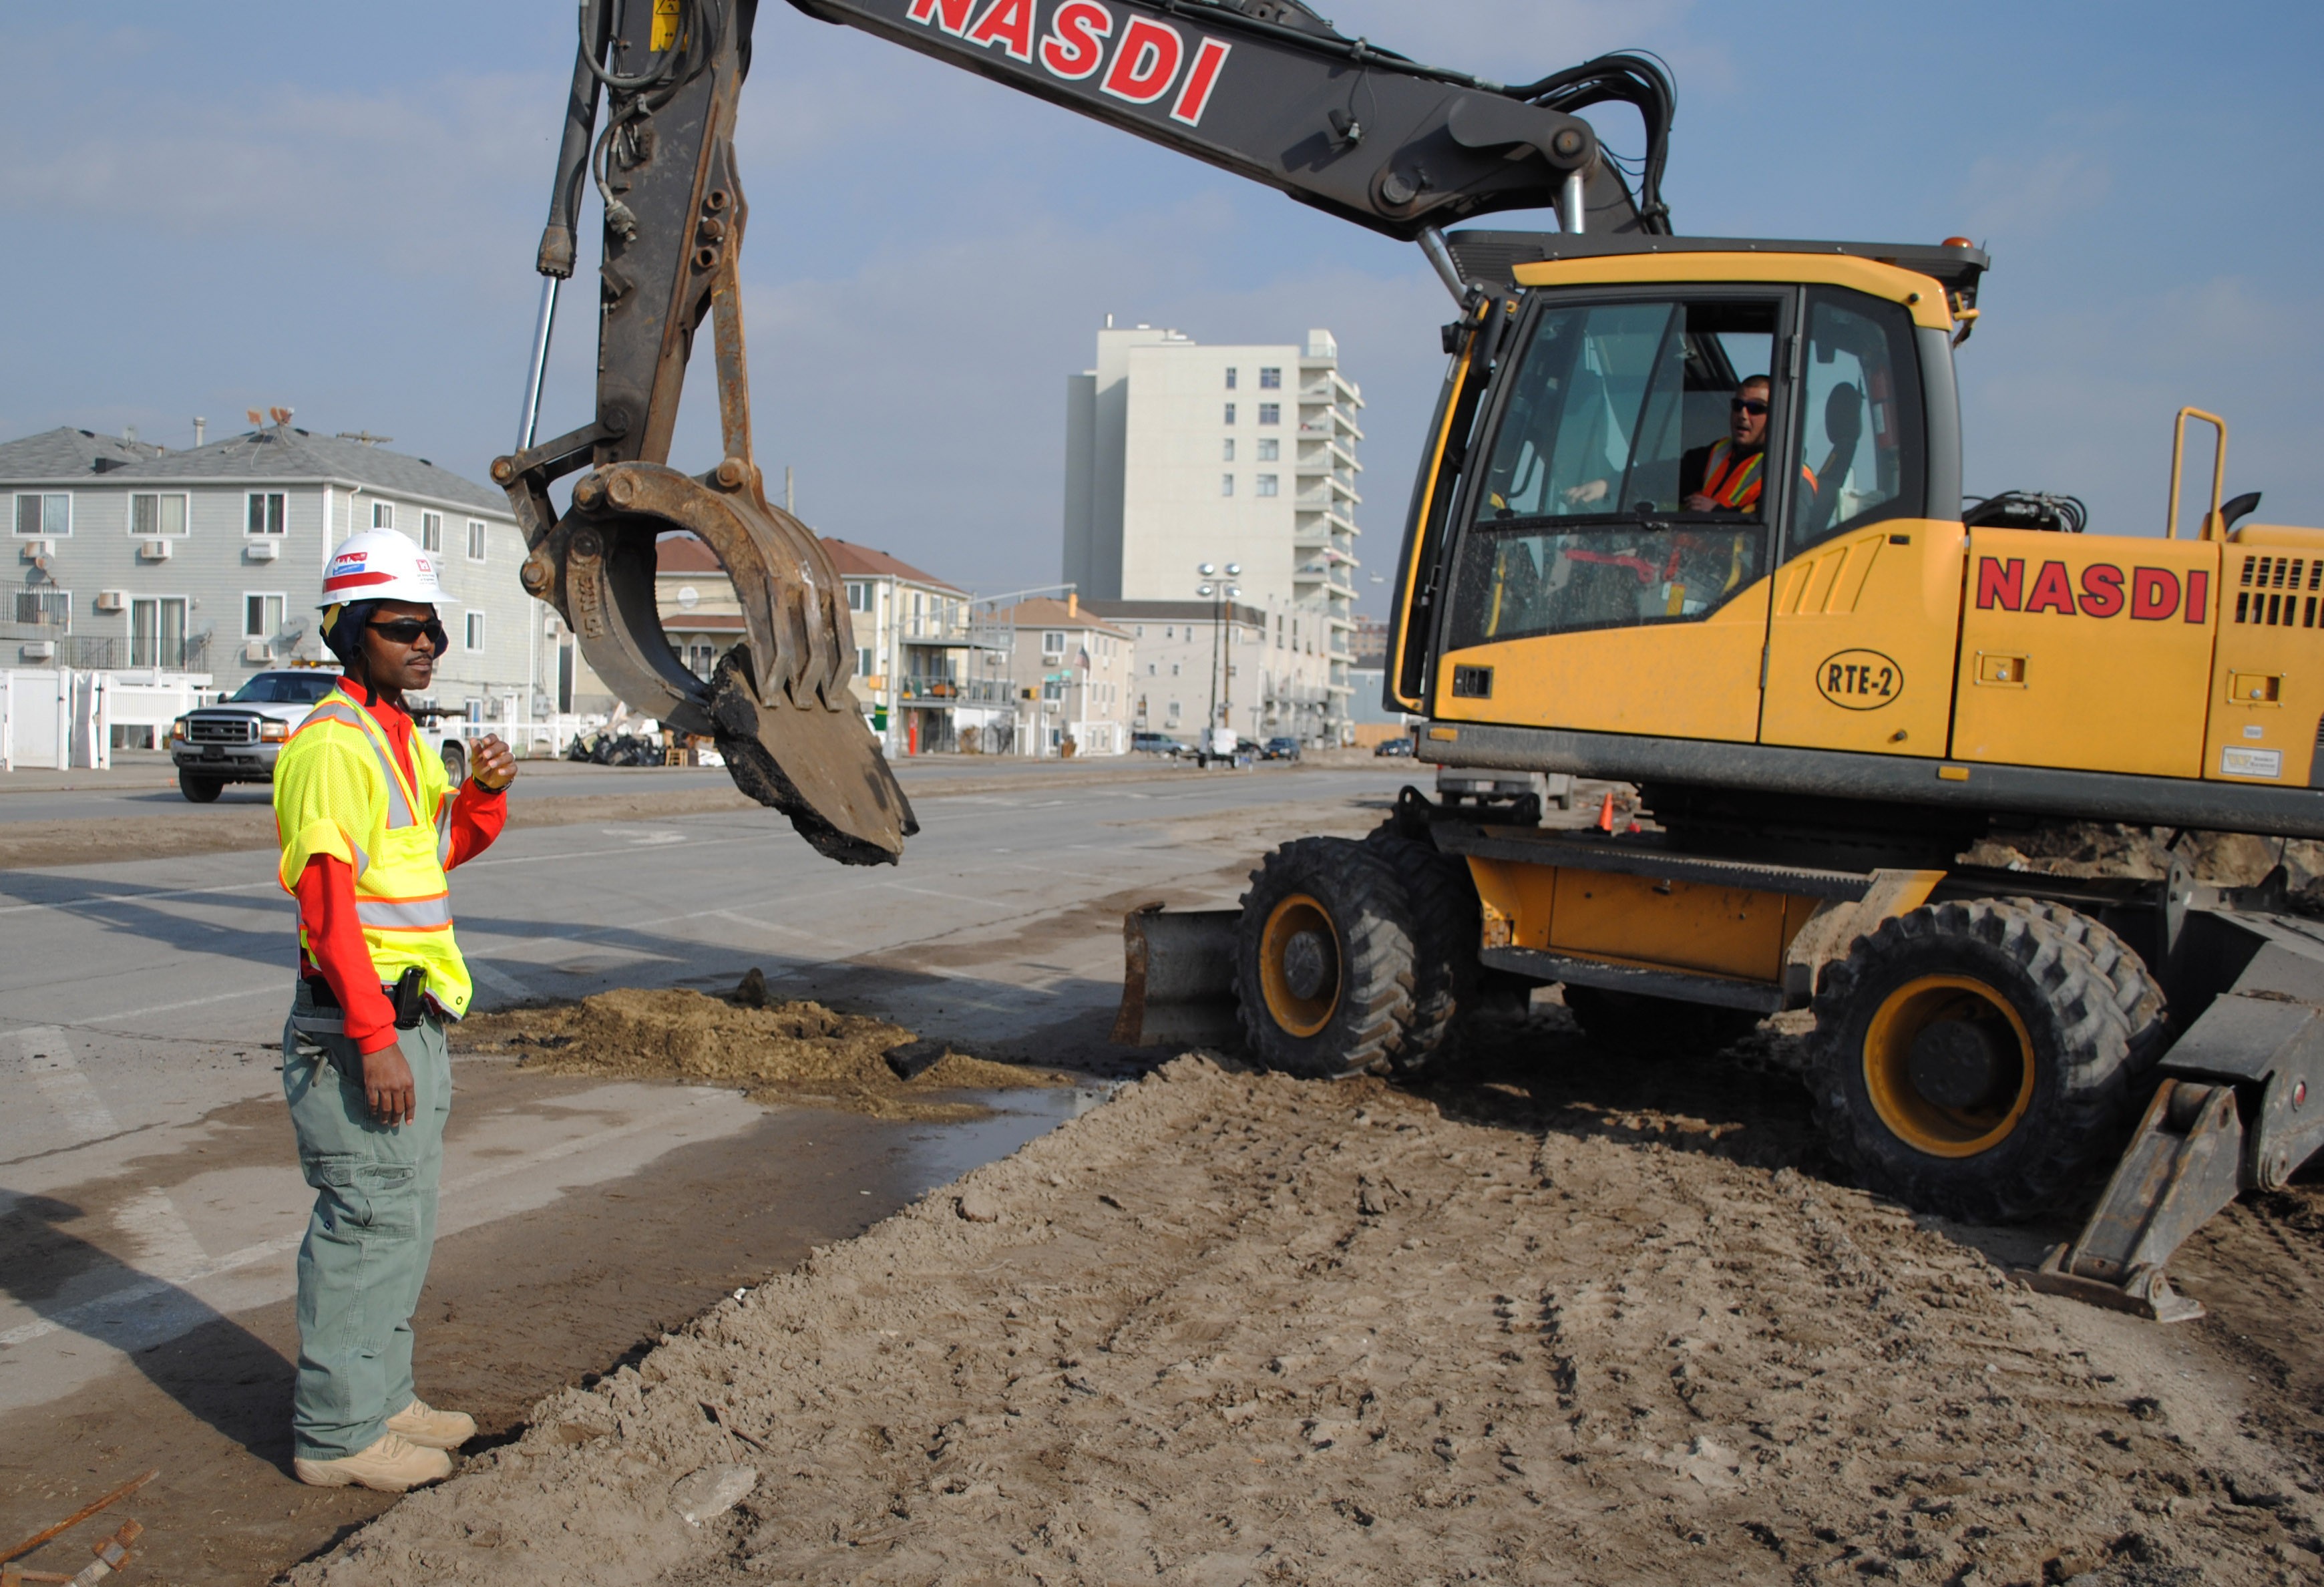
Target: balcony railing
(109,653)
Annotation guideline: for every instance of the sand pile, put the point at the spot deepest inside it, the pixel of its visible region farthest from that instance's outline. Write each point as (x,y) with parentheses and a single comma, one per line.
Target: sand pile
(1234,1328)
(775,1051)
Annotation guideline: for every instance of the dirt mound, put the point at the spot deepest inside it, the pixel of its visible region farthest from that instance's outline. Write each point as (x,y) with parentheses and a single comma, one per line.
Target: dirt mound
(1237,1328)
(775,1051)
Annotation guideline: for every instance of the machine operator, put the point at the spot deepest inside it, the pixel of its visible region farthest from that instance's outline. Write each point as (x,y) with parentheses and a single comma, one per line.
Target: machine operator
(369,825)
(1727,475)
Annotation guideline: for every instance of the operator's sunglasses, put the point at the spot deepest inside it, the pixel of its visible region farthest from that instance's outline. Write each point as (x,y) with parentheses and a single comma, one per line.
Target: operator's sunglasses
(406,631)
(1751,405)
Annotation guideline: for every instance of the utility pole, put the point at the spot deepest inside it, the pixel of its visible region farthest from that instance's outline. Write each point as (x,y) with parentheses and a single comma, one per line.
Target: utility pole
(1220,595)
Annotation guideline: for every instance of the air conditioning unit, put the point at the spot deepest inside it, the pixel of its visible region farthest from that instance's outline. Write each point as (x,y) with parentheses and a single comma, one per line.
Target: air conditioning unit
(37,550)
(153,550)
(39,649)
(113,600)
(257,649)
(262,550)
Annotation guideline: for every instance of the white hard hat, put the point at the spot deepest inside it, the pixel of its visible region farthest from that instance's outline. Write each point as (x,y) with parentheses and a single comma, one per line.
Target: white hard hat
(381,565)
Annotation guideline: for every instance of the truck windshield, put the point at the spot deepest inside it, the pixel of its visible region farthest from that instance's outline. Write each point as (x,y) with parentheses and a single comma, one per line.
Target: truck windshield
(285,689)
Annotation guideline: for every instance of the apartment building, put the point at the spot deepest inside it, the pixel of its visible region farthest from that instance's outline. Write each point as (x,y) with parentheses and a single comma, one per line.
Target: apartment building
(1264,674)
(928,666)
(1075,680)
(210,559)
(1179,454)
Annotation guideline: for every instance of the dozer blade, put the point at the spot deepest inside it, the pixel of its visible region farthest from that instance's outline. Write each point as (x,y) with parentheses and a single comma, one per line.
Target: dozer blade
(2241,1106)
(1179,979)
(778,704)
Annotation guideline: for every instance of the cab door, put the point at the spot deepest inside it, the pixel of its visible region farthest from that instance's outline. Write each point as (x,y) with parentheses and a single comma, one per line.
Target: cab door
(1867,602)
(1585,595)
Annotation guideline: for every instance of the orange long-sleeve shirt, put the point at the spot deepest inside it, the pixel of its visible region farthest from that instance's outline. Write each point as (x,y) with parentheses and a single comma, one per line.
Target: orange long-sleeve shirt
(326,898)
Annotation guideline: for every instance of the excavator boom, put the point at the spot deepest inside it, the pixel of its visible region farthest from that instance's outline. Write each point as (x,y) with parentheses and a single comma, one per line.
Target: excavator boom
(1262,87)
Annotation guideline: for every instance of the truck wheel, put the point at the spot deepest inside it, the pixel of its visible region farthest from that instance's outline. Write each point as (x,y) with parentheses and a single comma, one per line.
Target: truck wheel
(1445,929)
(1969,1058)
(1641,1027)
(1324,961)
(2141,1001)
(456,763)
(201,790)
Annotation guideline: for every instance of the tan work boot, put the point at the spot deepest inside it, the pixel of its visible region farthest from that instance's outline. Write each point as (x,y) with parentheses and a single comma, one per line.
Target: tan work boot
(391,1465)
(422,1423)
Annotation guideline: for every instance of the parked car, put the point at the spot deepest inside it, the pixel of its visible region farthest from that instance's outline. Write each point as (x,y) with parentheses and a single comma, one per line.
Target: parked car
(237,739)
(1279,748)
(1156,744)
(1394,746)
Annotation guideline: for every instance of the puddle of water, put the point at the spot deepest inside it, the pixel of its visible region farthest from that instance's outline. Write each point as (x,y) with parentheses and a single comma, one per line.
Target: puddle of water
(938,1154)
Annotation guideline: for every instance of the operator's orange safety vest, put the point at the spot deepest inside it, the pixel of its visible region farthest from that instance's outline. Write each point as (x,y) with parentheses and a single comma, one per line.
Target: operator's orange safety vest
(341,789)
(1735,482)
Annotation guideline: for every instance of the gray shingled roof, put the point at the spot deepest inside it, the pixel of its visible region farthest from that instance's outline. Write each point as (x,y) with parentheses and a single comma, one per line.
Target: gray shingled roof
(277,452)
(65,452)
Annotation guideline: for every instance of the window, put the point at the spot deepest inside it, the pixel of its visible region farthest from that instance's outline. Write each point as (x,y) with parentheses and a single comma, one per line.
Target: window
(1141,631)
(1266,484)
(50,517)
(1053,688)
(1226,452)
(1230,410)
(1174,709)
(157,631)
(859,597)
(1170,633)
(863,653)
(1583,520)
(262,616)
(1053,643)
(45,607)
(1270,413)
(432,531)
(1270,380)
(475,631)
(1270,451)
(1174,673)
(267,512)
(1860,418)
(1152,670)
(383,515)
(476,539)
(1226,484)
(1231,380)
(151,515)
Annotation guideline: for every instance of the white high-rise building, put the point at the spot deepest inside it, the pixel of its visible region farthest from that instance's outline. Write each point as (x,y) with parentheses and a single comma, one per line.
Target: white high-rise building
(1179,454)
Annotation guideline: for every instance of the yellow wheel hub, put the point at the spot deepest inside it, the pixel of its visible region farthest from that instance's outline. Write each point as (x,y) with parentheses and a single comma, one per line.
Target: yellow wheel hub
(1949,1065)
(1299,966)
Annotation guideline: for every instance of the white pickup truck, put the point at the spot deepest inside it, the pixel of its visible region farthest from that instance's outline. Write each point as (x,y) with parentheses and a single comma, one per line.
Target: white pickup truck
(237,739)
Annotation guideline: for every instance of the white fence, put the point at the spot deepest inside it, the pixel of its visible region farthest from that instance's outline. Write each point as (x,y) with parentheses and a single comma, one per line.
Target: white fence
(62,717)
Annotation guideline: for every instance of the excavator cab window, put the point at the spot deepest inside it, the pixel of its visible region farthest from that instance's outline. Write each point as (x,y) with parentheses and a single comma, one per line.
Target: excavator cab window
(1581,520)
(1861,440)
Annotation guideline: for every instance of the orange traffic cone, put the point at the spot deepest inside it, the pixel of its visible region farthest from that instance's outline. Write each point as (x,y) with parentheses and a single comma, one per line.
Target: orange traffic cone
(1605,812)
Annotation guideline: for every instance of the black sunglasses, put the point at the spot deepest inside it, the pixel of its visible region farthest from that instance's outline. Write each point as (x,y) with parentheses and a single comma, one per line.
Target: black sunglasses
(1747,405)
(405,631)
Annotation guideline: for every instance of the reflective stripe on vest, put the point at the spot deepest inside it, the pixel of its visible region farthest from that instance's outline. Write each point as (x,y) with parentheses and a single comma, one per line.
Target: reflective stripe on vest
(444,833)
(429,914)
(1736,486)
(399,807)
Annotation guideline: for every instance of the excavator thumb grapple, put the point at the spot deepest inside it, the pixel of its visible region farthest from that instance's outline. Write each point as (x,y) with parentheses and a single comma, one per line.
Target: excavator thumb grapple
(779,703)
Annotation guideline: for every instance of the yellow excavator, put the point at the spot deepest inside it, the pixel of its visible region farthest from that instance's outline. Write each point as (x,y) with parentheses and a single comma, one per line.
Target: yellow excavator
(1690,517)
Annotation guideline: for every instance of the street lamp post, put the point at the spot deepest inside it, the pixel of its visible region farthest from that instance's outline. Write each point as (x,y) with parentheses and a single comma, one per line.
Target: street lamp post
(1220,595)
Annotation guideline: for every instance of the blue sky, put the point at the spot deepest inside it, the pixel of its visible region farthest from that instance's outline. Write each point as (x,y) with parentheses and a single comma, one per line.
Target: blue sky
(335,207)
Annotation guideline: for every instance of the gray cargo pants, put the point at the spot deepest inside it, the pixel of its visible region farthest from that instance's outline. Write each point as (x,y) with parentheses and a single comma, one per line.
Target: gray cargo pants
(373,1230)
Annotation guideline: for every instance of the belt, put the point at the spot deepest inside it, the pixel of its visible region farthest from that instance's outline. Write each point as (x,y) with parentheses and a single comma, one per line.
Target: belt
(325,1015)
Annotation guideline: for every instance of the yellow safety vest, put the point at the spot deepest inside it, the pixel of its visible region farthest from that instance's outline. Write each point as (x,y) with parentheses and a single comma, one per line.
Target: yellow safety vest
(340,790)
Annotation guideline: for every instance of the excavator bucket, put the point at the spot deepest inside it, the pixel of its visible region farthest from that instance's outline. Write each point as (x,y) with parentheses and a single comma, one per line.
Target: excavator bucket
(1179,980)
(778,703)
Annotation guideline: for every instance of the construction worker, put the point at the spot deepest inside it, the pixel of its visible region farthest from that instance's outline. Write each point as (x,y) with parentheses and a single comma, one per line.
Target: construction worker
(369,825)
(1728,475)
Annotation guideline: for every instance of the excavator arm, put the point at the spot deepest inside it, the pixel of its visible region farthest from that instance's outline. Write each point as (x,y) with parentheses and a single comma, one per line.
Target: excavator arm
(1265,88)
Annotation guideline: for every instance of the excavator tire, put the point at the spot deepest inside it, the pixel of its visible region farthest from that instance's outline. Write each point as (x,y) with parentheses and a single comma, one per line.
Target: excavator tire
(1639,1027)
(1970,1059)
(2136,992)
(1324,982)
(1445,929)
